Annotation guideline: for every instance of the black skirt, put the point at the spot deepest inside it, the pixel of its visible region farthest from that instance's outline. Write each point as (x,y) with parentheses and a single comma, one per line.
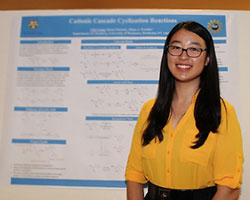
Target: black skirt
(158,193)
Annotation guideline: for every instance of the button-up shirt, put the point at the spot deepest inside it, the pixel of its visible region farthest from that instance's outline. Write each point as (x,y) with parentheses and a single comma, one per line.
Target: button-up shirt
(171,163)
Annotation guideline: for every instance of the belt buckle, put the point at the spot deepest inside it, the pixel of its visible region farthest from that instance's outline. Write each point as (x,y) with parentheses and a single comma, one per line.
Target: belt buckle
(164,194)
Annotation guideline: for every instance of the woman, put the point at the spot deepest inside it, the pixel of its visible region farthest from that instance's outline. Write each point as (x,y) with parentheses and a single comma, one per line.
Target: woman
(187,142)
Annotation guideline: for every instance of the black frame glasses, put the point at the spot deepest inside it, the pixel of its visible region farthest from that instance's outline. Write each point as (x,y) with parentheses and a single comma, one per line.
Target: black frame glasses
(192,52)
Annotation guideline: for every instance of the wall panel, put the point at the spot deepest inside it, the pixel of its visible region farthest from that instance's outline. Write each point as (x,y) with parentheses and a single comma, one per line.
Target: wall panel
(111,4)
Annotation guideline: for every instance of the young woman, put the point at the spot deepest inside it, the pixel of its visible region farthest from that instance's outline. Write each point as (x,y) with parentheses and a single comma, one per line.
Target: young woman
(187,142)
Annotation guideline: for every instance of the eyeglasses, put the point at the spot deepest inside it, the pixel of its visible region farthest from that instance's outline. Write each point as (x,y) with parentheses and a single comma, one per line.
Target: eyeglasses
(191,51)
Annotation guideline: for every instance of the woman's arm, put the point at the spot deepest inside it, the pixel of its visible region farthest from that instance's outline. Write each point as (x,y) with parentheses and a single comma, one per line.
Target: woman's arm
(226,193)
(134,191)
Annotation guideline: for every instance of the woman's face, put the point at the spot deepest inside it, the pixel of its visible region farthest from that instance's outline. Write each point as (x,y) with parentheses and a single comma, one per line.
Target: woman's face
(183,67)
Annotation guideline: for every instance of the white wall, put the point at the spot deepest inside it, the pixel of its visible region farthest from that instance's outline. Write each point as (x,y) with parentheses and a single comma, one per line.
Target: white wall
(63,193)
(244,67)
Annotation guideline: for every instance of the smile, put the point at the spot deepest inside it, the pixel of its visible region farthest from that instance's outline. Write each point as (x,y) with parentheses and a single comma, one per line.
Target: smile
(184,66)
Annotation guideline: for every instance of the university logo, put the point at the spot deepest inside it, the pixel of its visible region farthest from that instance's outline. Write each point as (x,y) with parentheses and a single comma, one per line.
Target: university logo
(214,26)
(33,24)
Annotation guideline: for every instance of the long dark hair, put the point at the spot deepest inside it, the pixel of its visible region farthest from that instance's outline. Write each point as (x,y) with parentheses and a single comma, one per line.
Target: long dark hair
(207,110)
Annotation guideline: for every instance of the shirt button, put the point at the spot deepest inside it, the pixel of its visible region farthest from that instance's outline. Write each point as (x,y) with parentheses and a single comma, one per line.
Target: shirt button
(168,171)
(168,152)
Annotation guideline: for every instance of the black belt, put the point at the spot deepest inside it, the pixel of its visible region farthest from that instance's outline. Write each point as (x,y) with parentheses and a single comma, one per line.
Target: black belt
(159,193)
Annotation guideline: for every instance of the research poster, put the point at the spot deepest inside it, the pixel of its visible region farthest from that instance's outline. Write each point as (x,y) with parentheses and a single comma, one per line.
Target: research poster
(76,84)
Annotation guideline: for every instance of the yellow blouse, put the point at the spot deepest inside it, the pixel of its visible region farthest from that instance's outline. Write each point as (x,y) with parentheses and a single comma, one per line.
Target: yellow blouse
(173,164)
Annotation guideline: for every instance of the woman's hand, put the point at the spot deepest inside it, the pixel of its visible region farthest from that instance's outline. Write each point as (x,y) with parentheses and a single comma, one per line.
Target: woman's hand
(226,193)
(134,191)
